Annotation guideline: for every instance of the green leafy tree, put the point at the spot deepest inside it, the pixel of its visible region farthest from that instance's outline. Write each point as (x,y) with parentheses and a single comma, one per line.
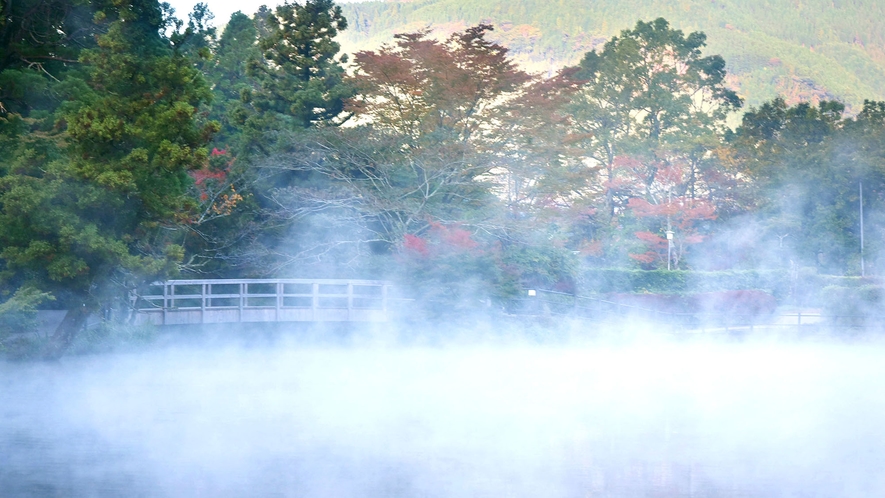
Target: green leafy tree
(808,162)
(650,99)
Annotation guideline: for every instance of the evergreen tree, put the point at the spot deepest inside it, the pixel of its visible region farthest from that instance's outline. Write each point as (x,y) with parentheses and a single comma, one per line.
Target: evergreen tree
(40,42)
(89,218)
(299,79)
(228,76)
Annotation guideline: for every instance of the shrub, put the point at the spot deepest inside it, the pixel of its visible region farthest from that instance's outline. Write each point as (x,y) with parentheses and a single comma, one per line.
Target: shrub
(541,267)
(856,307)
(801,287)
(681,281)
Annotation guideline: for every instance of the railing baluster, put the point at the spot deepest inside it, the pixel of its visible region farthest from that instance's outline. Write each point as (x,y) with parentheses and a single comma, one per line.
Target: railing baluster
(315,300)
(279,299)
(241,300)
(349,301)
(166,304)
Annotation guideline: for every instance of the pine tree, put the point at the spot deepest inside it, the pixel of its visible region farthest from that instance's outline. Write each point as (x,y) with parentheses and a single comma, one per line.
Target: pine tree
(299,79)
(88,218)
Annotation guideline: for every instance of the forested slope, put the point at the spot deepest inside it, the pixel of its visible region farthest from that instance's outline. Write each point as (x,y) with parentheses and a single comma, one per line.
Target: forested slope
(803,50)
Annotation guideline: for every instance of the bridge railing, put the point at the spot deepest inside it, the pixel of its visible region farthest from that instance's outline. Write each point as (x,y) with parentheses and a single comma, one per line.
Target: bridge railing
(265,300)
(601,310)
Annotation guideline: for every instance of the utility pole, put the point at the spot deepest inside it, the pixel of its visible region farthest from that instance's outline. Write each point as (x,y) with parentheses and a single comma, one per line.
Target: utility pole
(860,188)
(669,231)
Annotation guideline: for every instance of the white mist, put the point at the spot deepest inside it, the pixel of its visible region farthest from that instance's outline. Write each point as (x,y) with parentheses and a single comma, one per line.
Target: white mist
(640,418)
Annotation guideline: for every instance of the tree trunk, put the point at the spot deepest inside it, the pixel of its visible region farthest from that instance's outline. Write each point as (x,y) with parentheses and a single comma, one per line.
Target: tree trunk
(66,332)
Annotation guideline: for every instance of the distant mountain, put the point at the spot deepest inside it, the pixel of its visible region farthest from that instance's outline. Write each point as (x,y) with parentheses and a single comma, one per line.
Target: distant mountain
(801,49)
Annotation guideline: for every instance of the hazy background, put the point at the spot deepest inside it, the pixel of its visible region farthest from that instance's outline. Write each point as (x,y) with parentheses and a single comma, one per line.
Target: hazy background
(645,416)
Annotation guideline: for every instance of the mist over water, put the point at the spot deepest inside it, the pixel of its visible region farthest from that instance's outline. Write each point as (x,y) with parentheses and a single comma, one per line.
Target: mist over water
(647,416)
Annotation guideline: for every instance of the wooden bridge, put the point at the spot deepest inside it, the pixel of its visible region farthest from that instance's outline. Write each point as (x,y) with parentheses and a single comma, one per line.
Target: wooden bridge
(183,302)
(187,302)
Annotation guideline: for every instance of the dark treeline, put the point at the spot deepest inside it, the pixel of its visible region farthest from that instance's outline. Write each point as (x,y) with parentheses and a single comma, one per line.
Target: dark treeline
(135,147)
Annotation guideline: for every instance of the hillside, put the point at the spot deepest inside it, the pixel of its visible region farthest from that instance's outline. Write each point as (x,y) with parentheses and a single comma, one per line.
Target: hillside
(802,49)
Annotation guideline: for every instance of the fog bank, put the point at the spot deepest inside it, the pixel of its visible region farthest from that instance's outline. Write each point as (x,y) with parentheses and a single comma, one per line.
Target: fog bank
(639,418)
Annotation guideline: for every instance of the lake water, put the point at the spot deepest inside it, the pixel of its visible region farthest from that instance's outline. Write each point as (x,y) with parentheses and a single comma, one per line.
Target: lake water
(637,418)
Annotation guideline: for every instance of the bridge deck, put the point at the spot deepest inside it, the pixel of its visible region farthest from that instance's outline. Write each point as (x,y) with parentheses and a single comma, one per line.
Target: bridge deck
(181,302)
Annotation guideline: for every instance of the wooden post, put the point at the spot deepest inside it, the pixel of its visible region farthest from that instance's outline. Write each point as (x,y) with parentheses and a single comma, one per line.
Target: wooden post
(241,299)
(279,300)
(315,301)
(349,301)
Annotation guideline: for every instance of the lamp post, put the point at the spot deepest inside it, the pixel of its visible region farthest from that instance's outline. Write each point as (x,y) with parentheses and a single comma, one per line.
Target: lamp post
(669,231)
(860,203)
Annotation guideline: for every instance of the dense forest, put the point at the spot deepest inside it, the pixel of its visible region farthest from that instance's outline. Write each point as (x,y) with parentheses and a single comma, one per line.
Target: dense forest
(801,50)
(135,147)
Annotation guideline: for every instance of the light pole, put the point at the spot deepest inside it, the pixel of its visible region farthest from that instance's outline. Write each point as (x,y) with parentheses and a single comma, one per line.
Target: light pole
(669,231)
(860,188)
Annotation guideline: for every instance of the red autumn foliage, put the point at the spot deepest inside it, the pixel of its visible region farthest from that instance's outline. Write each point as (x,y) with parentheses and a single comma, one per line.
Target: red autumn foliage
(656,245)
(416,245)
(591,248)
(682,214)
(201,175)
(214,188)
(669,175)
(682,211)
(458,237)
(646,258)
(652,240)
(418,85)
(440,239)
